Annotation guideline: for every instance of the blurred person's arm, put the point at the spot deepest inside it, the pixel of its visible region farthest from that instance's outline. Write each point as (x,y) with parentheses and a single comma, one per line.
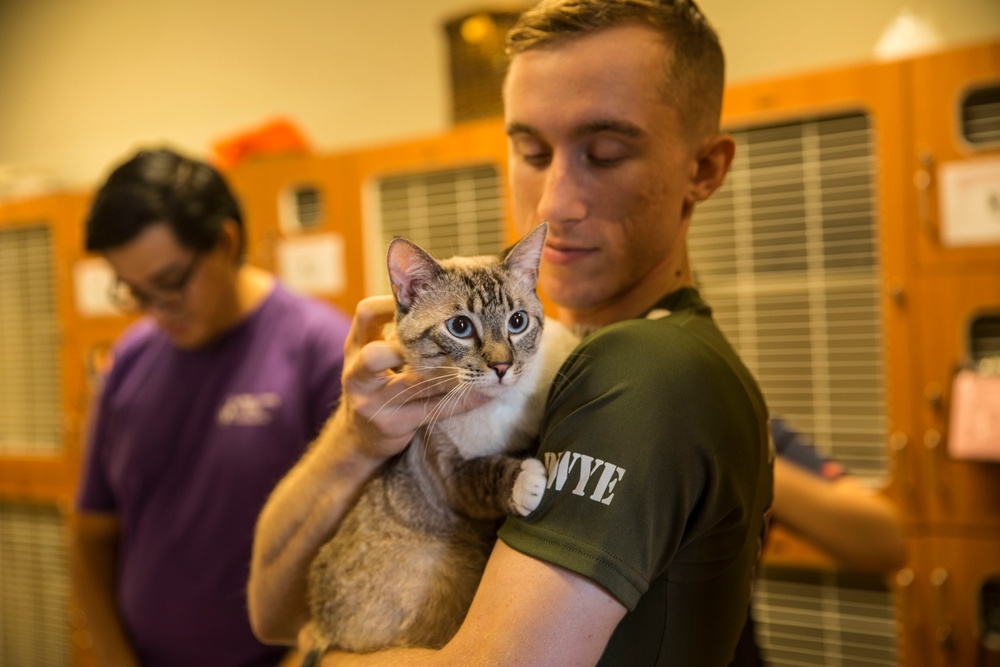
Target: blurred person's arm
(93,550)
(855,525)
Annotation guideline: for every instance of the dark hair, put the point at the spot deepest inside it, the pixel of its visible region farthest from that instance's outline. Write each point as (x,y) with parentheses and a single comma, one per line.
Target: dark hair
(695,69)
(162,186)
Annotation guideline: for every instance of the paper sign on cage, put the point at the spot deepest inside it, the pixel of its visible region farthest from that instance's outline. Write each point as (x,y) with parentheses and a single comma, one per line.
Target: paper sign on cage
(975,417)
(970,202)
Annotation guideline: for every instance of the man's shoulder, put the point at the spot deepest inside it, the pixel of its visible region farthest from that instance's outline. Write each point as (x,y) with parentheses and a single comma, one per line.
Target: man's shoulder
(684,347)
(672,337)
(139,337)
(305,314)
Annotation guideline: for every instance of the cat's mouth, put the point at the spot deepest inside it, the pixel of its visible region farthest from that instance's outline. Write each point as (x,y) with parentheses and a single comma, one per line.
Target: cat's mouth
(492,387)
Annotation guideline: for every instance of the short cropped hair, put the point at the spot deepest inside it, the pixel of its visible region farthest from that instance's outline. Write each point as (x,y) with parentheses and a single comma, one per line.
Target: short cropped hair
(695,69)
(162,186)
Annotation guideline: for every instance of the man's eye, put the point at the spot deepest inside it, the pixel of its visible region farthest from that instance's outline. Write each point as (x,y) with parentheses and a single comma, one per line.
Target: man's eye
(607,152)
(536,158)
(532,151)
(168,286)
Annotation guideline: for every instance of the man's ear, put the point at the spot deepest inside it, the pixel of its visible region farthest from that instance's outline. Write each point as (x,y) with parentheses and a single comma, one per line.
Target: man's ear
(229,238)
(714,159)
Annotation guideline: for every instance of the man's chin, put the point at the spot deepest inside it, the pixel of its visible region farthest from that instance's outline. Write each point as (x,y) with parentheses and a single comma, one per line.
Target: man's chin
(185,339)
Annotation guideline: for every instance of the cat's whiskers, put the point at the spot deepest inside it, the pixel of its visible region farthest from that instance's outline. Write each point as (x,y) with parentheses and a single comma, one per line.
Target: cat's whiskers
(424,385)
(452,398)
(559,372)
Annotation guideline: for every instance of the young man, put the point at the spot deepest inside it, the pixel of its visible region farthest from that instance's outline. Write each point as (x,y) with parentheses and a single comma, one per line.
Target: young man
(209,400)
(642,550)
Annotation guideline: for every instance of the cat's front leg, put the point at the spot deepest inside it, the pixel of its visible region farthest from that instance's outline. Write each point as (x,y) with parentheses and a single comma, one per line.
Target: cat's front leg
(529,487)
(489,487)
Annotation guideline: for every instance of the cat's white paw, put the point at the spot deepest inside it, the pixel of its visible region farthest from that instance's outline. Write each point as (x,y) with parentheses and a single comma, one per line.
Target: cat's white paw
(529,486)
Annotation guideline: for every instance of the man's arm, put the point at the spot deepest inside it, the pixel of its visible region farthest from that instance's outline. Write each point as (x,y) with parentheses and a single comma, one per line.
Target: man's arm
(93,552)
(856,526)
(526,612)
(380,409)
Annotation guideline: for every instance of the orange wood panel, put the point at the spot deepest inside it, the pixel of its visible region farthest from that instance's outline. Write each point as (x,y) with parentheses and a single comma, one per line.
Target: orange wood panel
(466,144)
(939,83)
(913,605)
(53,477)
(957,492)
(262,184)
(950,582)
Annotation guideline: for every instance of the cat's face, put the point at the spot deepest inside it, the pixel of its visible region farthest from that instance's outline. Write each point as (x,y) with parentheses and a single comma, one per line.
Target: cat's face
(473,321)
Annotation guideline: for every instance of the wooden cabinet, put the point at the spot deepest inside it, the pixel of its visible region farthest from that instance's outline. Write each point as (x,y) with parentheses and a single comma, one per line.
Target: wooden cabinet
(930,290)
(956,503)
(953,492)
(344,185)
(26,472)
(44,402)
(941,88)
(295,197)
(879,93)
(946,598)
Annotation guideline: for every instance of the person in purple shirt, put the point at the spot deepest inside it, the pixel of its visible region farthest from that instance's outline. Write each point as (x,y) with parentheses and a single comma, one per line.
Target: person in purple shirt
(207,403)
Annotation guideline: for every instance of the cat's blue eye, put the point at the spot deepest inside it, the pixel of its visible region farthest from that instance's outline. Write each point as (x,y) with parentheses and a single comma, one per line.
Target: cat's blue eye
(518,322)
(460,326)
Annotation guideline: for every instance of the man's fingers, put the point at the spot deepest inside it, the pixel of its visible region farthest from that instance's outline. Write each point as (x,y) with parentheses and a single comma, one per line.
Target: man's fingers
(370,317)
(372,368)
(378,357)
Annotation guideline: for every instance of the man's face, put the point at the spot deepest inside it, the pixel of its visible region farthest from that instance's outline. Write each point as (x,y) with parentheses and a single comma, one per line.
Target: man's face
(597,151)
(189,294)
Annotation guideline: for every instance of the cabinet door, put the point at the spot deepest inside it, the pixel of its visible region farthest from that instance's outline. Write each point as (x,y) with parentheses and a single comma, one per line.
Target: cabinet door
(870,401)
(42,405)
(445,192)
(43,394)
(913,606)
(299,212)
(953,586)
(958,492)
(955,97)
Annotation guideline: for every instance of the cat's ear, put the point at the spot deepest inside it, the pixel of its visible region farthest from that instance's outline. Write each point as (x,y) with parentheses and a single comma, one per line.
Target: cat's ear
(523,257)
(411,270)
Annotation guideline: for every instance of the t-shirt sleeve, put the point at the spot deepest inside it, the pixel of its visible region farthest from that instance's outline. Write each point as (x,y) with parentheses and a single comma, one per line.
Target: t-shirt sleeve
(628,445)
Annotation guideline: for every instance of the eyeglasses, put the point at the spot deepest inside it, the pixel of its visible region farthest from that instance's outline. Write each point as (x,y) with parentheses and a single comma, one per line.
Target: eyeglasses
(168,297)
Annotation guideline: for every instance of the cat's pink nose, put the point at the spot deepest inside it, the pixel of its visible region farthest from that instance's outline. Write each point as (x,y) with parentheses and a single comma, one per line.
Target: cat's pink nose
(500,369)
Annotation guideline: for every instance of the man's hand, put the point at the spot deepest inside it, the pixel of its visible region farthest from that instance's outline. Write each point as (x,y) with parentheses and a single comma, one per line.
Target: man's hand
(383,403)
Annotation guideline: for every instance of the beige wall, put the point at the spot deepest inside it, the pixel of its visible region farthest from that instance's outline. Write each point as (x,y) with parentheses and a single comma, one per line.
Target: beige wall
(82,82)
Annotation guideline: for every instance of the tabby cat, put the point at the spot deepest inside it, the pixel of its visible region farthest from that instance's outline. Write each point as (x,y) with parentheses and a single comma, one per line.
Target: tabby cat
(402,568)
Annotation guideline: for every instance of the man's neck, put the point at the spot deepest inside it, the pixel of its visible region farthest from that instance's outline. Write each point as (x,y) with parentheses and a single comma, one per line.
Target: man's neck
(251,287)
(631,304)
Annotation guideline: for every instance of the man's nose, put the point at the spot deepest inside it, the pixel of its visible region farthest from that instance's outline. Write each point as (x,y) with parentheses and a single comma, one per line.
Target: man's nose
(563,197)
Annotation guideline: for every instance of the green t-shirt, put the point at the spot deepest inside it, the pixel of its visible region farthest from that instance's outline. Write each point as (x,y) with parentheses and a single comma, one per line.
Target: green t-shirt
(659,476)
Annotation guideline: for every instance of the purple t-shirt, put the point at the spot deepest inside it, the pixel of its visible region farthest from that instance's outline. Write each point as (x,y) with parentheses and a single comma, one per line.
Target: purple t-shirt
(185,448)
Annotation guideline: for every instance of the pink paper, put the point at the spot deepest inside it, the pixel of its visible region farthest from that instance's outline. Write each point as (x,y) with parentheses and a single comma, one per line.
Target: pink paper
(975,417)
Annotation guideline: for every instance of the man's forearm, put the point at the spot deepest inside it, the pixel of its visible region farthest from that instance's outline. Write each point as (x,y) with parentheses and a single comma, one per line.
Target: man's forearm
(93,548)
(301,514)
(857,527)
